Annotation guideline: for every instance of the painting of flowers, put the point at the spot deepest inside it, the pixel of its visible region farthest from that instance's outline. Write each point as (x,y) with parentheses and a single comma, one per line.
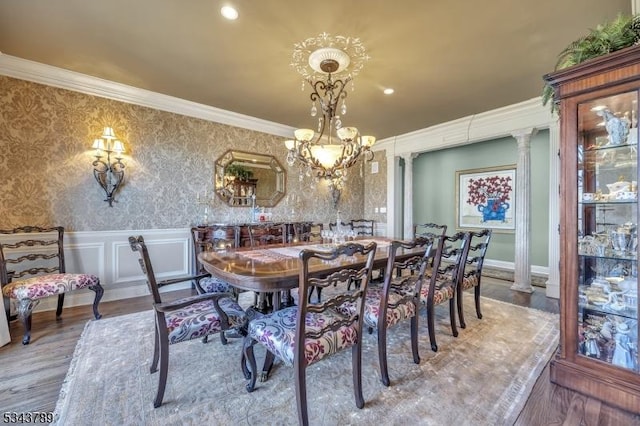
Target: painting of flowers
(485,198)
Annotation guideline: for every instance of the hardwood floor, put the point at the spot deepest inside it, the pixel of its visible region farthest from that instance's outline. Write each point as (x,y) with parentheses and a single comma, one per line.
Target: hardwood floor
(31,376)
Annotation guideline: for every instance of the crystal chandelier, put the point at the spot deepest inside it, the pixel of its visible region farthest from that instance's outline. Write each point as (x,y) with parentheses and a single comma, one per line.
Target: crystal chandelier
(328,63)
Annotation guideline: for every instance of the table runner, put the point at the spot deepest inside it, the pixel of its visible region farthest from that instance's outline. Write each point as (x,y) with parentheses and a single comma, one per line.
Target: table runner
(276,254)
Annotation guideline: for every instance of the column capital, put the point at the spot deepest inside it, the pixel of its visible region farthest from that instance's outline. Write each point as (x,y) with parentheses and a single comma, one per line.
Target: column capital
(409,156)
(524,134)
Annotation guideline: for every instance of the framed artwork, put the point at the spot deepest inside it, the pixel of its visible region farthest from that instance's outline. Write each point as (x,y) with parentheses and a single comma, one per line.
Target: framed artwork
(485,198)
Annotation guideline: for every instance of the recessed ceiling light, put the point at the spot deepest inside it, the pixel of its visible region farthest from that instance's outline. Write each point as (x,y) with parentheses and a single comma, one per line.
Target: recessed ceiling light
(229,12)
(388,91)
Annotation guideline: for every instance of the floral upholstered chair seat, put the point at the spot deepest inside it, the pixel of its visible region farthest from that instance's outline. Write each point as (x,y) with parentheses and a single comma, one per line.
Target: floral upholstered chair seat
(48,285)
(32,267)
(469,282)
(202,319)
(277,332)
(372,307)
(441,294)
(215,285)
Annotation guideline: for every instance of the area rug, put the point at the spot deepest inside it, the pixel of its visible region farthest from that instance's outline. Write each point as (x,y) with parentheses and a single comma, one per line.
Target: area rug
(482,377)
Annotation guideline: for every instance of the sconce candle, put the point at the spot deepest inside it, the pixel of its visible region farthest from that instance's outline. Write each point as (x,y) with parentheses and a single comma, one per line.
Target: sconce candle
(108,174)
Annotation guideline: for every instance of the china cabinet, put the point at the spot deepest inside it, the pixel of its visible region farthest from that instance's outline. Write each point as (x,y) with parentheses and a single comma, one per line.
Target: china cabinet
(598,107)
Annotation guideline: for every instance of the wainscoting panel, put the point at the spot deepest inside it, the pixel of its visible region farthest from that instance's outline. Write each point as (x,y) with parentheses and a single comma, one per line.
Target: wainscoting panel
(108,255)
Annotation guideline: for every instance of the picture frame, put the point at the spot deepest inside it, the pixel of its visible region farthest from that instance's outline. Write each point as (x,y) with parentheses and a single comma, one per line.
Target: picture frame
(485,198)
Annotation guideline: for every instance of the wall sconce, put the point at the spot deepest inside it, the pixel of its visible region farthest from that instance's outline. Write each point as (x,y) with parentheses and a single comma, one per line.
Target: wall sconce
(109,175)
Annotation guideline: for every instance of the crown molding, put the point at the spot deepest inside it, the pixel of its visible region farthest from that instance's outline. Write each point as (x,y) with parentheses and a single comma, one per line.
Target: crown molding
(496,123)
(36,72)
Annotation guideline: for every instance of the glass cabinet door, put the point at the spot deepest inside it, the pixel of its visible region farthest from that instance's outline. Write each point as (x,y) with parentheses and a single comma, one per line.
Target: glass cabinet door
(608,230)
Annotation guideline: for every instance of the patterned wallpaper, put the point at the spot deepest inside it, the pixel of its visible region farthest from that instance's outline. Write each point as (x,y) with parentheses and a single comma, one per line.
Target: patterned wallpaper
(46,173)
(375,191)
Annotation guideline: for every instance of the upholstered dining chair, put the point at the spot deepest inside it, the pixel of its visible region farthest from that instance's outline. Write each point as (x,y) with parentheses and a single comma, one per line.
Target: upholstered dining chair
(343,225)
(365,228)
(307,232)
(214,238)
(429,230)
(185,319)
(398,299)
(308,333)
(362,227)
(443,281)
(471,272)
(264,234)
(32,267)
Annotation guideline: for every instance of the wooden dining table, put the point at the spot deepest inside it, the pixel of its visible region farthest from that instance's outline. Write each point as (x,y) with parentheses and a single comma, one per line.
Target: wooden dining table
(276,267)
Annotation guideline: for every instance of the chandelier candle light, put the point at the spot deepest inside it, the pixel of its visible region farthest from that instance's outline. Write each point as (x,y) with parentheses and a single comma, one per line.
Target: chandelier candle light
(109,175)
(328,63)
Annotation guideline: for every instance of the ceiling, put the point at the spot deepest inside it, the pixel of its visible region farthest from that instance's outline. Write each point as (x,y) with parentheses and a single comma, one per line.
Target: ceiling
(445,60)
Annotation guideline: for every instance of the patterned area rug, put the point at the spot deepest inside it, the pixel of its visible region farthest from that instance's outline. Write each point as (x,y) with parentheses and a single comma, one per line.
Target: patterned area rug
(482,377)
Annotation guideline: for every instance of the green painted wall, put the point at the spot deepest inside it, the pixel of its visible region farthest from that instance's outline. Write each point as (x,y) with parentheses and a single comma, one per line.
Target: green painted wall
(434,189)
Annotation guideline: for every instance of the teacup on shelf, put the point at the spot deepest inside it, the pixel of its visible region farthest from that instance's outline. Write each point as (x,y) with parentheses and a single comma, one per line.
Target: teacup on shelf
(626,195)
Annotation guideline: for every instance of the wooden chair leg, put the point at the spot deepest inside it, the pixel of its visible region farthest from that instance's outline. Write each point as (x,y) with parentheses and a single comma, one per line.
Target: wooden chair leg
(477,297)
(250,360)
(382,355)
(266,368)
(99,292)
(301,395)
(25,307)
(414,338)
(164,367)
(431,327)
(356,365)
(156,352)
(243,365)
(463,324)
(452,316)
(59,307)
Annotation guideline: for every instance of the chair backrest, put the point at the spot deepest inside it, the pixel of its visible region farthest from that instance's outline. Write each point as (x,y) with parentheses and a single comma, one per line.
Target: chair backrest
(340,292)
(333,226)
(29,251)
(262,234)
(448,262)
(213,238)
(362,226)
(429,230)
(138,245)
(407,272)
(307,231)
(478,244)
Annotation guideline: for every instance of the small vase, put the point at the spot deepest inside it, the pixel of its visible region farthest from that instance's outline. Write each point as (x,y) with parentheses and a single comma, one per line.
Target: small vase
(495,209)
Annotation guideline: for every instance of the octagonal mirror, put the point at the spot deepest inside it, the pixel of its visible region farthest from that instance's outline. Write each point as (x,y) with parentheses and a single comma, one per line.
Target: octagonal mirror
(240,176)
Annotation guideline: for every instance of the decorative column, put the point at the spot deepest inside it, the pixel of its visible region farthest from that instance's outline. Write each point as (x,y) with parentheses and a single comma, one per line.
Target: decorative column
(393,167)
(553,281)
(522,273)
(408,194)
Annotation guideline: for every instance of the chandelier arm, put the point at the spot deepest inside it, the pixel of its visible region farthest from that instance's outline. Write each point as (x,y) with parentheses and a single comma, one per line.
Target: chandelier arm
(319,60)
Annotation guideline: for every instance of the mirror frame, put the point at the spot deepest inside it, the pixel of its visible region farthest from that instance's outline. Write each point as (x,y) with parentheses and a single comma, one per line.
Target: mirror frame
(248,159)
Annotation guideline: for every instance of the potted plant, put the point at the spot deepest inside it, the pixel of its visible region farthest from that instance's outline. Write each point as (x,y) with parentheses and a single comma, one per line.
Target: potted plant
(239,172)
(624,31)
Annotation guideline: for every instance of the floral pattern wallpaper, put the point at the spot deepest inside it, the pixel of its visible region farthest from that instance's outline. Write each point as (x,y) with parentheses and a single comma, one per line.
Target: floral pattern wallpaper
(46,175)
